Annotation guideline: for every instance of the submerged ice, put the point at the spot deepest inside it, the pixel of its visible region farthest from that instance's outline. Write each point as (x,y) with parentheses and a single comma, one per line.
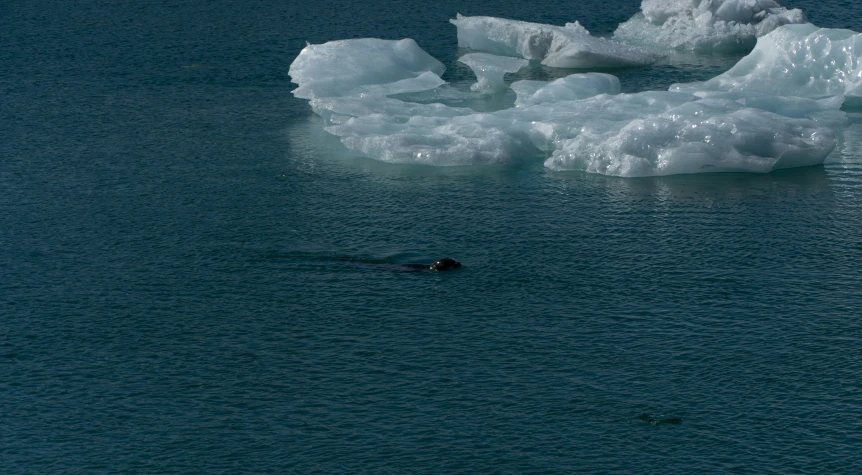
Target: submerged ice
(777,108)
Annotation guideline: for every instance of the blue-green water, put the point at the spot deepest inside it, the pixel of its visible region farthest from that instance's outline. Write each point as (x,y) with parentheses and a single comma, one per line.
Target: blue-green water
(196,279)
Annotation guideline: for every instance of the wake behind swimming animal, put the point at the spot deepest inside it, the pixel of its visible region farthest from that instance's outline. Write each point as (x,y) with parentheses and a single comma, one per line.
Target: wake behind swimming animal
(657,420)
(440,265)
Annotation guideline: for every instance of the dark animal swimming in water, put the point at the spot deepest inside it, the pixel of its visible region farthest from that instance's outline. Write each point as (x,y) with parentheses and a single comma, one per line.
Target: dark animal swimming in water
(441,265)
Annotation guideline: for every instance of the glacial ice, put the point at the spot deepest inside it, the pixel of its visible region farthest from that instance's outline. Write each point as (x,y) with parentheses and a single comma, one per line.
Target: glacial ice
(777,108)
(705,25)
(490,69)
(796,60)
(716,135)
(568,88)
(569,46)
(340,68)
(640,134)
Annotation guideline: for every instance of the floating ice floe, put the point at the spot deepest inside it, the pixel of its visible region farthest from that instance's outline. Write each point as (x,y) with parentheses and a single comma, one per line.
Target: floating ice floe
(569,46)
(705,25)
(490,70)
(734,122)
(712,135)
(796,60)
(346,67)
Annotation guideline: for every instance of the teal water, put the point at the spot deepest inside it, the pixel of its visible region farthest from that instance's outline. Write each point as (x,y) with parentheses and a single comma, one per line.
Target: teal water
(197,279)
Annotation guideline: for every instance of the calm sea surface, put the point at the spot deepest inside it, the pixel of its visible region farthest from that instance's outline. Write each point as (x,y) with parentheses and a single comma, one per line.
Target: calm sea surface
(195,278)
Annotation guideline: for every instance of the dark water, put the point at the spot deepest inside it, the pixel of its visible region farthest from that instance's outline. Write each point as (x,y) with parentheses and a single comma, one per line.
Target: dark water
(196,279)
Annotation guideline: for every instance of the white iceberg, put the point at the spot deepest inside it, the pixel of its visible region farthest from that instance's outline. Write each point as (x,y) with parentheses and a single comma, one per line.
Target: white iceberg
(579,122)
(569,46)
(796,60)
(705,25)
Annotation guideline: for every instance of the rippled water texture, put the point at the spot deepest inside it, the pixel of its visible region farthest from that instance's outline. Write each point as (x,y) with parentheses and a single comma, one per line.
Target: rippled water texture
(197,279)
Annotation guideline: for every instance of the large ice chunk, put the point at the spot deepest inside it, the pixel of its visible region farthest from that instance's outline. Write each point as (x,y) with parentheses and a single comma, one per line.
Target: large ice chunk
(699,136)
(569,46)
(642,134)
(506,136)
(796,60)
(490,69)
(344,67)
(580,122)
(705,25)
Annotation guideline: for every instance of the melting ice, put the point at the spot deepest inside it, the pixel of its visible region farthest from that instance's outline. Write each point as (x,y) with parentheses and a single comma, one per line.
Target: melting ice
(797,60)
(777,108)
(490,69)
(351,67)
(705,25)
(569,46)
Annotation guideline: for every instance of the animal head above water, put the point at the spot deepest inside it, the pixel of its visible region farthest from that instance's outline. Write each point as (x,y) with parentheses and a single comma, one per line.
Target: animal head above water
(445,264)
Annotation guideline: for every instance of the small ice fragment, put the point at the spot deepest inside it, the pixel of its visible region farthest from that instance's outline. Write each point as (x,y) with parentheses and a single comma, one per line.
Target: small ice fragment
(490,69)
(572,87)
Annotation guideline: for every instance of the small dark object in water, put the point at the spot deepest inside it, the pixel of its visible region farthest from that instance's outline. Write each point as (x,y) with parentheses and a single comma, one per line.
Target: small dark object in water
(648,419)
(445,264)
(441,265)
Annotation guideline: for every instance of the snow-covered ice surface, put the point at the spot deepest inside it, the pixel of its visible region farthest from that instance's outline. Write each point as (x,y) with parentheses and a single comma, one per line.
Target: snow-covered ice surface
(569,46)
(779,107)
(705,25)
